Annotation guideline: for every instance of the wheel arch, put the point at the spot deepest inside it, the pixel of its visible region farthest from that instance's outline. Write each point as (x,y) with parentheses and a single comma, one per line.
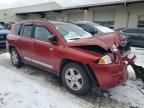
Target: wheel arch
(85,66)
(10,48)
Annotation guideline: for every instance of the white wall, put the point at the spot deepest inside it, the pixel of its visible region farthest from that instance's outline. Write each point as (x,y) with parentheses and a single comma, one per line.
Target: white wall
(88,14)
(75,15)
(118,14)
(104,13)
(135,12)
(9,15)
(121,17)
(128,17)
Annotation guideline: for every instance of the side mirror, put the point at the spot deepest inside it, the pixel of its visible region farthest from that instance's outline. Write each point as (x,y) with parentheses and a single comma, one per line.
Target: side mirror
(53,39)
(93,32)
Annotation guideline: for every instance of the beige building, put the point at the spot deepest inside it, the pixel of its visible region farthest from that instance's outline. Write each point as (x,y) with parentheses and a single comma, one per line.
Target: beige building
(123,13)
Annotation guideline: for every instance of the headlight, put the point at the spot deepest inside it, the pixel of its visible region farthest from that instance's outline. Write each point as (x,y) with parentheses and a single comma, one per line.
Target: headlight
(105,60)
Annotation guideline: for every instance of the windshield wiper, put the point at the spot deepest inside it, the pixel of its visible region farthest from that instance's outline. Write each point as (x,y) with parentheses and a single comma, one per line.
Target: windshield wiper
(74,38)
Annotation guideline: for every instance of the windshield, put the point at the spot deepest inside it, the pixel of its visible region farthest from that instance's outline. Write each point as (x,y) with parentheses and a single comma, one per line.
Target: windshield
(71,32)
(2,28)
(104,29)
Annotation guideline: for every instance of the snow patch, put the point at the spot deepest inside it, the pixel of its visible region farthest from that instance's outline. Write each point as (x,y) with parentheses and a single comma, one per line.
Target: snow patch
(19,90)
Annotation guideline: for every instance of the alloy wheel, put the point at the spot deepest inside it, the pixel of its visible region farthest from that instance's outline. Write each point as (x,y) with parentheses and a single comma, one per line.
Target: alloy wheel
(73,79)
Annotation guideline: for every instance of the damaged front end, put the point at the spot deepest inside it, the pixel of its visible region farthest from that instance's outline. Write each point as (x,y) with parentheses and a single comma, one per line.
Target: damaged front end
(111,45)
(111,68)
(116,53)
(125,51)
(112,58)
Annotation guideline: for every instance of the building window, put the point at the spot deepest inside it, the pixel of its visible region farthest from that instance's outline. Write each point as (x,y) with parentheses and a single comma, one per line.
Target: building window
(109,24)
(141,23)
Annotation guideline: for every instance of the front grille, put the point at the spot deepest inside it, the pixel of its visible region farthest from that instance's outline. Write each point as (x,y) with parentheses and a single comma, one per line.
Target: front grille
(2,37)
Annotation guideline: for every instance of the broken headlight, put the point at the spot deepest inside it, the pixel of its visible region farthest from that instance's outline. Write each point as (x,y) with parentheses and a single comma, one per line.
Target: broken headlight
(114,48)
(105,60)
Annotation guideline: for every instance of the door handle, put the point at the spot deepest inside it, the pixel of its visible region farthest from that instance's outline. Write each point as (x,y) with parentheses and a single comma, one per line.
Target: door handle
(51,49)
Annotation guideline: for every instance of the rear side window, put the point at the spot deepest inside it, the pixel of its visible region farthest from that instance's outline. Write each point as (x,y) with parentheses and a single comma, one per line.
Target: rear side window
(140,31)
(18,29)
(42,33)
(130,31)
(88,28)
(27,30)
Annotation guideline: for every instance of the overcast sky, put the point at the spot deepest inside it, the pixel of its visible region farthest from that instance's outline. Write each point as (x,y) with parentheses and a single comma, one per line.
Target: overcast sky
(18,3)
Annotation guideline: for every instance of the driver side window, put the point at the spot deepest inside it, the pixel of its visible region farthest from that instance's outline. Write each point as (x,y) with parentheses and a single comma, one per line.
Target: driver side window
(42,33)
(88,28)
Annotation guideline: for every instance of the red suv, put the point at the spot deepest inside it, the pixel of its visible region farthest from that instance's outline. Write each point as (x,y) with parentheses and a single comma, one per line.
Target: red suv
(78,58)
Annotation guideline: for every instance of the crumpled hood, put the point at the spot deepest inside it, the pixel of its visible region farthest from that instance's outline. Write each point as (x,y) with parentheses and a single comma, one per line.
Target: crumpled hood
(105,41)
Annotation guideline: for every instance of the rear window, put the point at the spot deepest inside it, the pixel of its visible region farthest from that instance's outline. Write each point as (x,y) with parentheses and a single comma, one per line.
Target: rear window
(18,29)
(87,27)
(140,31)
(130,31)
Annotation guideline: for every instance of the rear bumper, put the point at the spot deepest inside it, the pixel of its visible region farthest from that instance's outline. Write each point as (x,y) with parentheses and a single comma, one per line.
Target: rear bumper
(110,75)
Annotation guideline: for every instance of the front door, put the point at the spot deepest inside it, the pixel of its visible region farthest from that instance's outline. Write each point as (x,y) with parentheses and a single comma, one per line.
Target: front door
(43,50)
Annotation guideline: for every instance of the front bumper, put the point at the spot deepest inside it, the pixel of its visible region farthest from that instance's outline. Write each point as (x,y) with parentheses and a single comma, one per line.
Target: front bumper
(110,75)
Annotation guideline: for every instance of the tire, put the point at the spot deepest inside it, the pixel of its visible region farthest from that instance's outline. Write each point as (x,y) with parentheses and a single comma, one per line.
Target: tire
(75,78)
(15,58)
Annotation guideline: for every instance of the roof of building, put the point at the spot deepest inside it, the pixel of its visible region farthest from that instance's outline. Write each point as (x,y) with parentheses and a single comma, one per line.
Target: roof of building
(36,8)
(53,6)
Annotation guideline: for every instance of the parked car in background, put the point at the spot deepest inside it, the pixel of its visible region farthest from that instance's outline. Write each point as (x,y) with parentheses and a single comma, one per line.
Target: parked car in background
(9,25)
(3,34)
(93,28)
(78,58)
(134,35)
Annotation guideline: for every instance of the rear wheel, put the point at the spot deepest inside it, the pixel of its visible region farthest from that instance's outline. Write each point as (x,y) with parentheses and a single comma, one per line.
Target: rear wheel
(75,78)
(15,58)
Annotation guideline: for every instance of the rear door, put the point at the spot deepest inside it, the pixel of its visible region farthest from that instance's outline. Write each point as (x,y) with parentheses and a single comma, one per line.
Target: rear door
(43,50)
(26,41)
(15,34)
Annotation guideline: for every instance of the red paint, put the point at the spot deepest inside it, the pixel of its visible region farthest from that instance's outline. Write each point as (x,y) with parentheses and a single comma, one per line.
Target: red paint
(109,75)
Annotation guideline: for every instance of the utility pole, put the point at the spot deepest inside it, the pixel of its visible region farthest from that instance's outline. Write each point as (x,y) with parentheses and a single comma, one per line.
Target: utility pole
(127,11)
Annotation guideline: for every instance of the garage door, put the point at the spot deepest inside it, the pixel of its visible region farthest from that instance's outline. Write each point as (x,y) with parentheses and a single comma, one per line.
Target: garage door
(141,21)
(34,16)
(75,16)
(104,17)
(54,16)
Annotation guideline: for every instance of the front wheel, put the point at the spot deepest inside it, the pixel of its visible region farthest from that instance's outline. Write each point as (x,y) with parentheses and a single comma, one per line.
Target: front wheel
(75,78)
(15,58)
